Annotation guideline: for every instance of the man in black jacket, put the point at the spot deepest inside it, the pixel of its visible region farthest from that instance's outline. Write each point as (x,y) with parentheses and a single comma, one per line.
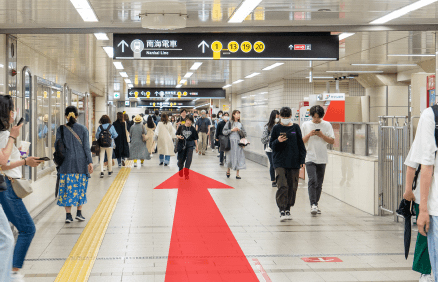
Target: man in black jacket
(220,128)
(289,155)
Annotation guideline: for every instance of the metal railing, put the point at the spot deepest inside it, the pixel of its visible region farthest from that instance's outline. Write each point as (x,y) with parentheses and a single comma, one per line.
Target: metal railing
(356,138)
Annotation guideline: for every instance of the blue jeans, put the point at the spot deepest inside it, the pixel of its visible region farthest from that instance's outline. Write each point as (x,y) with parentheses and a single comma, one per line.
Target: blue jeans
(432,241)
(6,247)
(271,165)
(164,159)
(18,215)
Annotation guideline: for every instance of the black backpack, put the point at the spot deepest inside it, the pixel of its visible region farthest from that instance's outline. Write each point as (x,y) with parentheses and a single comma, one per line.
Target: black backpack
(60,149)
(105,139)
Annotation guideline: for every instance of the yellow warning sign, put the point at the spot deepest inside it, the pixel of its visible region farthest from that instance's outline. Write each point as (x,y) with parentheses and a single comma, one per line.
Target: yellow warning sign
(179,94)
(216,46)
(45,94)
(246,46)
(148,94)
(259,46)
(233,46)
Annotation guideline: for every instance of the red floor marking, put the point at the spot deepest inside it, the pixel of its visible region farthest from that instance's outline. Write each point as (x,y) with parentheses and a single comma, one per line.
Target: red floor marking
(324,259)
(202,247)
(262,270)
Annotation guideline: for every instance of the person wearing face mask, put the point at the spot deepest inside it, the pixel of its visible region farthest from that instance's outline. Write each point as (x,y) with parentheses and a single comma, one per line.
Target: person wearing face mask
(317,134)
(235,156)
(289,155)
(219,132)
(213,132)
(273,120)
(203,128)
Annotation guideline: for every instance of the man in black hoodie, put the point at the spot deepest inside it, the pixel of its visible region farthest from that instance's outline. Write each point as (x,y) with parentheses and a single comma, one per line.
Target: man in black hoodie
(220,128)
(289,155)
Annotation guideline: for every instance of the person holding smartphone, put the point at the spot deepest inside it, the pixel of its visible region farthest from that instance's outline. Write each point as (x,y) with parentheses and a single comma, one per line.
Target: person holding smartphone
(317,134)
(288,155)
(187,141)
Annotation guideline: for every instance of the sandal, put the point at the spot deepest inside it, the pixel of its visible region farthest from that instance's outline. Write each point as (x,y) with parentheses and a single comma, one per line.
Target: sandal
(238,177)
(228,175)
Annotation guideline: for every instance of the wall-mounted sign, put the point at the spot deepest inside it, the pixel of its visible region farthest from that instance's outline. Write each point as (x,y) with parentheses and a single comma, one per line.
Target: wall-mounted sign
(127,103)
(227,46)
(116,95)
(333,97)
(189,93)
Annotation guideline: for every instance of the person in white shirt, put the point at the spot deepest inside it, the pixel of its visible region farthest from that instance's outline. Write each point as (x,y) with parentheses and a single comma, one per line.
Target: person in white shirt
(423,151)
(317,134)
(421,262)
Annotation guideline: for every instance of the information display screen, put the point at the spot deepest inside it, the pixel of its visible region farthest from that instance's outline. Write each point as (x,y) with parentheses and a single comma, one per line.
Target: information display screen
(184,93)
(227,46)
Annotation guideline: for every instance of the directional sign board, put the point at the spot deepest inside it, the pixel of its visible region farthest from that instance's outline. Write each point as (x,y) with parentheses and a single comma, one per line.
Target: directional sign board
(227,46)
(170,104)
(183,93)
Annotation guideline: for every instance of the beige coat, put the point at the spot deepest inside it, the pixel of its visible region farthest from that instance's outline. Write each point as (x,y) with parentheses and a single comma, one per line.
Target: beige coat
(164,134)
(150,143)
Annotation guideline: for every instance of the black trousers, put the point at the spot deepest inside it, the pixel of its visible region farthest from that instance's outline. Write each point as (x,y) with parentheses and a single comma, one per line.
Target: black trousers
(287,183)
(316,173)
(185,156)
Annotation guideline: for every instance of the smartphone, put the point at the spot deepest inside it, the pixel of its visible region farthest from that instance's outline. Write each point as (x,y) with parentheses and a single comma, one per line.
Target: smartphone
(318,129)
(46,159)
(20,121)
(283,134)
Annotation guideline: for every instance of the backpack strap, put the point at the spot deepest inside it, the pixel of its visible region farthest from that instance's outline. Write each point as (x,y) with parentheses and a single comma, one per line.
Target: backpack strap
(101,128)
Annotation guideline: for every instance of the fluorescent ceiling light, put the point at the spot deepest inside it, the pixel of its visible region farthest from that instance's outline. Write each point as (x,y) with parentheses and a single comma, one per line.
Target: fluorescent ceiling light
(321,77)
(130,85)
(387,65)
(195,66)
(355,71)
(123,74)
(85,11)
(118,65)
(101,36)
(238,81)
(226,86)
(128,81)
(189,74)
(243,11)
(273,66)
(252,75)
(403,11)
(344,35)
(182,81)
(109,51)
(179,86)
(411,55)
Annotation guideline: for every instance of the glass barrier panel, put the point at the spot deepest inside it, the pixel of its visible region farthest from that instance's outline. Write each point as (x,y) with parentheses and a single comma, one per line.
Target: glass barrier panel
(360,139)
(337,131)
(373,136)
(55,115)
(81,109)
(347,138)
(42,130)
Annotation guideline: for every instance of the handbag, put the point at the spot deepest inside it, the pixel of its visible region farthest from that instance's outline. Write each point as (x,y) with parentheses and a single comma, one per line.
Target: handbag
(22,187)
(244,142)
(224,141)
(127,133)
(143,135)
(95,147)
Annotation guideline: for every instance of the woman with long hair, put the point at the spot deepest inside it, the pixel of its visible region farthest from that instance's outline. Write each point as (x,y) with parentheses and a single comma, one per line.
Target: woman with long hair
(122,146)
(164,134)
(137,147)
(235,156)
(12,208)
(76,167)
(106,128)
(150,130)
(273,120)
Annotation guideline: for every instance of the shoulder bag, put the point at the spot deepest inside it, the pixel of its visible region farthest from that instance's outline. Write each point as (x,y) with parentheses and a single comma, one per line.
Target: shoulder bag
(21,187)
(127,133)
(59,154)
(144,135)
(224,141)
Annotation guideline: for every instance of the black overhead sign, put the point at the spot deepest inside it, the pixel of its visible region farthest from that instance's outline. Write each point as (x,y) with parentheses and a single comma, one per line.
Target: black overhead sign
(168,104)
(176,93)
(227,46)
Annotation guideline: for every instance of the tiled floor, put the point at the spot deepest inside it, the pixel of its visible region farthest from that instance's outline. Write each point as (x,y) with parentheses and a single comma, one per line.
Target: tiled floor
(136,244)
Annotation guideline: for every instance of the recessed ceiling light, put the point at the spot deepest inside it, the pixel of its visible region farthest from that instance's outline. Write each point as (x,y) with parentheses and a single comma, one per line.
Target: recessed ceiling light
(130,85)
(124,74)
(344,35)
(252,75)
(118,65)
(101,36)
(195,66)
(238,81)
(85,11)
(403,11)
(354,71)
(386,65)
(179,86)
(245,8)
(411,55)
(273,66)
(226,86)
(183,81)
(321,77)
(128,81)
(189,74)
(109,51)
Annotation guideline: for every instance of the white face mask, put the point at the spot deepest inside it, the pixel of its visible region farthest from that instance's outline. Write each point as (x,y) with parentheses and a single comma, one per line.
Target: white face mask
(286,121)
(226,118)
(220,116)
(277,120)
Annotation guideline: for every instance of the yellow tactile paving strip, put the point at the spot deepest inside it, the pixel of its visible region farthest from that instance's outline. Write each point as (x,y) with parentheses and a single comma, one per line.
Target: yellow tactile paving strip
(81,260)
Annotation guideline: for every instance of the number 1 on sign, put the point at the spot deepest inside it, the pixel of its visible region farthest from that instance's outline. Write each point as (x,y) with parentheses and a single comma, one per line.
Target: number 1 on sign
(216,46)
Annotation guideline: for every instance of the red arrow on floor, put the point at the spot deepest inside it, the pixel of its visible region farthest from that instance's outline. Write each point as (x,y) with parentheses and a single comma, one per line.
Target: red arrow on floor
(202,247)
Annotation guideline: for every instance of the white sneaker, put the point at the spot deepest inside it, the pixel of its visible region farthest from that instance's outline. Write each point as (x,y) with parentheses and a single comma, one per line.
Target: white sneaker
(17,277)
(318,210)
(283,216)
(314,210)
(288,216)
(426,278)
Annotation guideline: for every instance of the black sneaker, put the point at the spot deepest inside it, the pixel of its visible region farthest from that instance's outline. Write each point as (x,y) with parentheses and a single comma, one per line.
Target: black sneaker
(109,173)
(101,175)
(274,184)
(221,163)
(80,217)
(165,164)
(68,218)
(161,163)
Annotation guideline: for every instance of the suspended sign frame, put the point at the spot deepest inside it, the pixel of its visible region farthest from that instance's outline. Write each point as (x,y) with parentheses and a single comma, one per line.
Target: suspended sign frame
(176,93)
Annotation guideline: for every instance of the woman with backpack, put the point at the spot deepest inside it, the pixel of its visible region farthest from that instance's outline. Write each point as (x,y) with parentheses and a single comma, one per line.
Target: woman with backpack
(105,134)
(137,147)
(76,167)
(122,146)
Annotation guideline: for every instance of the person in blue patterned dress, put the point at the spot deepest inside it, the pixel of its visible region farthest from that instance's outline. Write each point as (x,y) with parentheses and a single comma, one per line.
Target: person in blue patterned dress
(77,166)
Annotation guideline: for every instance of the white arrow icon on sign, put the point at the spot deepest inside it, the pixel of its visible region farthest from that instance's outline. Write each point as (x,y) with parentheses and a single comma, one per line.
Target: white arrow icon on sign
(203,44)
(123,43)
(291,47)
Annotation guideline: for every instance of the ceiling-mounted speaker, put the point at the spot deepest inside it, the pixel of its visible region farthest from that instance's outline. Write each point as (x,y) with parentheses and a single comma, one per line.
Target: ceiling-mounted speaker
(164,15)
